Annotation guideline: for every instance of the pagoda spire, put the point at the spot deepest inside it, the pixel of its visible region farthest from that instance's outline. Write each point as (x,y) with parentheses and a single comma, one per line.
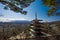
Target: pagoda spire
(35,16)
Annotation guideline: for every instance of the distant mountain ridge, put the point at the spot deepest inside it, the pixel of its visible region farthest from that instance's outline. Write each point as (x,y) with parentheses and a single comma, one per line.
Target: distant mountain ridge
(54,22)
(17,22)
(27,22)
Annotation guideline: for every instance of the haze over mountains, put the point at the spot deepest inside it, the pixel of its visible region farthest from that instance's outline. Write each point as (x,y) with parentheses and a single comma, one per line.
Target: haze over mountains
(17,22)
(14,20)
(23,21)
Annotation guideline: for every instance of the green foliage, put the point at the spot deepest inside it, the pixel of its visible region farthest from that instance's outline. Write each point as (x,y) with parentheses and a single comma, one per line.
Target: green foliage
(53,4)
(51,11)
(16,5)
(49,2)
(19,5)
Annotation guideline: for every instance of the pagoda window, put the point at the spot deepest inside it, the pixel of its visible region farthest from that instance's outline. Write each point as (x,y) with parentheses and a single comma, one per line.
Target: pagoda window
(37,29)
(37,26)
(39,34)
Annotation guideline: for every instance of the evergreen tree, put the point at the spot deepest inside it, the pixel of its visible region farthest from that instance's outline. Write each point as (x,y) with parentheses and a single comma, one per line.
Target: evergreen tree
(54,6)
(16,5)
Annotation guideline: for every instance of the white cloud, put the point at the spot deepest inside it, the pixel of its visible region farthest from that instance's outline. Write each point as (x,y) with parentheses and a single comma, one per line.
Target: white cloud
(11,19)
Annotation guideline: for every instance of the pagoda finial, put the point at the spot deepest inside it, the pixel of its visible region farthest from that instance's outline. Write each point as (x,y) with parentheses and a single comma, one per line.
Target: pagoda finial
(36,16)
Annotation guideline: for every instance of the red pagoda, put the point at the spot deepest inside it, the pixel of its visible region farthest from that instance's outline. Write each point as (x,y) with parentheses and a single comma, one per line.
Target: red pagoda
(35,28)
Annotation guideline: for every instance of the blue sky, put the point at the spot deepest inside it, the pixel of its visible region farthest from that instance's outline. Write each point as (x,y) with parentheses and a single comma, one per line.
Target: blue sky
(35,7)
